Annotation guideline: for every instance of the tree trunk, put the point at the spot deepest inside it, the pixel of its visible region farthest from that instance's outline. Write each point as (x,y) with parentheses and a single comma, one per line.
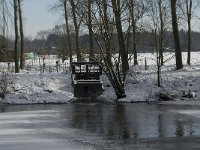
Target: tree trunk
(134,40)
(131,5)
(76,30)
(90,29)
(178,52)
(68,31)
(111,69)
(4,40)
(161,33)
(106,33)
(16,36)
(189,14)
(22,60)
(158,57)
(122,48)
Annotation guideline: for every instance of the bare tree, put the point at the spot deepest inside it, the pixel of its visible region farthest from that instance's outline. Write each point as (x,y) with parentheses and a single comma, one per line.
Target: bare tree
(133,20)
(178,51)
(16,7)
(136,10)
(103,29)
(68,30)
(89,14)
(189,16)
(58,39)
(122,49)
(64,6)
(86,12)
(158,23)
(76,27)
(157,32)
(161,34)
(22,60)
(188,8)
(4,15)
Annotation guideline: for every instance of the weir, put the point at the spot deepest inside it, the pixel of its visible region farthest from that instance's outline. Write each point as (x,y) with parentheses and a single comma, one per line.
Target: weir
(86,79)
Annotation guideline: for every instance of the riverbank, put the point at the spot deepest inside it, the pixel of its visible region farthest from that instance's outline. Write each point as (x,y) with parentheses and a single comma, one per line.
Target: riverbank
(177,86)
(32,88)
(35,87)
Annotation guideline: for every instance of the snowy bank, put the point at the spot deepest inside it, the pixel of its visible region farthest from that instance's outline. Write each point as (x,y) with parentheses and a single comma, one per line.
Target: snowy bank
(33,86)
(39,88)
(176,85)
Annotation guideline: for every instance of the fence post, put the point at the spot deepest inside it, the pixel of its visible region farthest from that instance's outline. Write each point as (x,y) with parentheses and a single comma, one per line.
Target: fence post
(43,67)
(57,66)
(145,63)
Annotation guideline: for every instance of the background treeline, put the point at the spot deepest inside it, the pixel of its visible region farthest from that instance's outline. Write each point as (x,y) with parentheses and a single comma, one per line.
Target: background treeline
(48,42)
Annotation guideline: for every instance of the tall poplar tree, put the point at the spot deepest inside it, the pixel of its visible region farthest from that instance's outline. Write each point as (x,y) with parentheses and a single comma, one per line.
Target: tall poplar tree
(16,55)
(178,51)
(76,27)
(22,60)
(68,30)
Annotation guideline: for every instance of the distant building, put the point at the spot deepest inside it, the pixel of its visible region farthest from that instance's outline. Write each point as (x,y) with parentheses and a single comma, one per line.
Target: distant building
(31,55)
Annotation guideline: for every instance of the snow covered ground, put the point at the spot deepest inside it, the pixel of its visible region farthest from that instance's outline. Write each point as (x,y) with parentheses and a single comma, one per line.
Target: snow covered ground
(34,86)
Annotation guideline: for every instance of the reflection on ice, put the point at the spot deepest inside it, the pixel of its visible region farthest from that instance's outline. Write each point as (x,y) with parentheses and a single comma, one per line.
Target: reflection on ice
(99,125)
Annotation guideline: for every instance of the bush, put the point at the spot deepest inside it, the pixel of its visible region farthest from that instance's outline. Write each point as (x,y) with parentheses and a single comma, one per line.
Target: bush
(5,81)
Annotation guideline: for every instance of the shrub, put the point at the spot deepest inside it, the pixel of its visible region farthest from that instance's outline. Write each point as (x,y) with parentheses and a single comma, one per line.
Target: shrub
(5,81)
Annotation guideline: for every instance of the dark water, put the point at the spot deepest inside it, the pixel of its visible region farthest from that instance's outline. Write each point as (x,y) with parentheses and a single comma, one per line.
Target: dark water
(99,126)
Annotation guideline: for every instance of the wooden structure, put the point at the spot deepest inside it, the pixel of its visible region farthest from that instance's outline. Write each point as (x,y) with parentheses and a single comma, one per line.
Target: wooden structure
(86,79)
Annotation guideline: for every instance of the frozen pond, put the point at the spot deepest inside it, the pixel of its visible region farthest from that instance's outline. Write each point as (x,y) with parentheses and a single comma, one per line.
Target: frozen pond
(99,126)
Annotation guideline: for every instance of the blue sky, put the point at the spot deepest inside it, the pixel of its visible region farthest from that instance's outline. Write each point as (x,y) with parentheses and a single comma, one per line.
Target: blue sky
(37,16)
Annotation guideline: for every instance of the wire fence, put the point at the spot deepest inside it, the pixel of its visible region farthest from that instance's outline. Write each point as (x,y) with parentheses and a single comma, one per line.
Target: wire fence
(43,64)
(150,59)
(52,64)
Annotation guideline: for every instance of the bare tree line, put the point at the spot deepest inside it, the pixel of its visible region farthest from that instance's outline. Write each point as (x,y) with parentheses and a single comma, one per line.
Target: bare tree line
(116,25)
(126,18)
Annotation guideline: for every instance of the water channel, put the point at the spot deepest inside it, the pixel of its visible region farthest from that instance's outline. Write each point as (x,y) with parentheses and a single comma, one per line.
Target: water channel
(98,126)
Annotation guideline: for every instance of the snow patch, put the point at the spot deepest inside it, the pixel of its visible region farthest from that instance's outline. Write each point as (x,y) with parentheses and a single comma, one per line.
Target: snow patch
(141,85)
